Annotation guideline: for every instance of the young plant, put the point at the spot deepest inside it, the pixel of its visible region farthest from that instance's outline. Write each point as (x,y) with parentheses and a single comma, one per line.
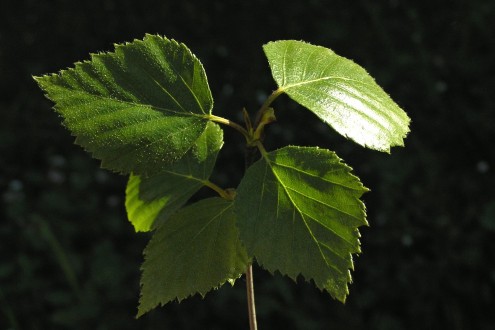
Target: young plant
(146,110)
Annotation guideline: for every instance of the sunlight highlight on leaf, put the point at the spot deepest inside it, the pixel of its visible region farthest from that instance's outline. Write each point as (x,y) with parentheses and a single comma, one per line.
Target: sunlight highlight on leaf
(298,210)
(339,92)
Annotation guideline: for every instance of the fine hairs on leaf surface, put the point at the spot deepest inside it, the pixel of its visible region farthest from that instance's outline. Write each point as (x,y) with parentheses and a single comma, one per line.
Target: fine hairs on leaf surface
(136,109)
(146,110)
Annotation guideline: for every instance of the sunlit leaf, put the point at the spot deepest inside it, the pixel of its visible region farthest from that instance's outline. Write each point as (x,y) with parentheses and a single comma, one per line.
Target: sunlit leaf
(150,200)
(194,251)
(136,108)
(339,92)
(298,210)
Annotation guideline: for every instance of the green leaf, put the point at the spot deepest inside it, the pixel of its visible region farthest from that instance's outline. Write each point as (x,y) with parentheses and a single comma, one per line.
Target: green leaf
(298,210)
(339,92)
(194,251)
(137,108)
(150,200)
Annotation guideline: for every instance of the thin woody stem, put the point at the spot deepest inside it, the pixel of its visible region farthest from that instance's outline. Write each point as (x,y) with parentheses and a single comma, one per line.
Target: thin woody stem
(251,154)
(250,298)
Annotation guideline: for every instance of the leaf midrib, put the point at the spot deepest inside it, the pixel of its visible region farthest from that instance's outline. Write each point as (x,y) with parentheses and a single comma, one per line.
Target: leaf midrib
(330,265)
(316,80)
(219,214)
(319,177)
(140,105)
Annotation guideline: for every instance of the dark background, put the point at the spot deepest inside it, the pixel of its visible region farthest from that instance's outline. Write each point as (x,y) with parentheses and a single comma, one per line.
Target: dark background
(69,259)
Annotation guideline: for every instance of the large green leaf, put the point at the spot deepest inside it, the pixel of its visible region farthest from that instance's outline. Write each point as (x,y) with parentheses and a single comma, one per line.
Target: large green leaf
(194,251)
(339,92)
(150,200)
(298,210)
(137,108)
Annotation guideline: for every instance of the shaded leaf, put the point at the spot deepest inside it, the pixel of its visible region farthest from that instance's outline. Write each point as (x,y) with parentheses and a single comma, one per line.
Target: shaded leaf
(298,210)
(137,108)
(339,92)
(194,251)
(150,200)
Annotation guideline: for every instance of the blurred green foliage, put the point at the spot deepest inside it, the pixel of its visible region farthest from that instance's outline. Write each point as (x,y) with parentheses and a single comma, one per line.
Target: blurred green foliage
(70,260)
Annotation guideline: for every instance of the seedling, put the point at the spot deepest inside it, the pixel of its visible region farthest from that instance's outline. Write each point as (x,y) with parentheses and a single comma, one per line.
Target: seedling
(146,110)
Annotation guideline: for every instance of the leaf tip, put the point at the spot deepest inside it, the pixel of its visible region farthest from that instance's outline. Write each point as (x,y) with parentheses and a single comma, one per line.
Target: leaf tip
(41,79)
(139,313)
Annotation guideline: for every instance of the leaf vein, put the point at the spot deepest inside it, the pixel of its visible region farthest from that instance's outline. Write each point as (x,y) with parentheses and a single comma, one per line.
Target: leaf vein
(320,202)
(319,177)
(296,208)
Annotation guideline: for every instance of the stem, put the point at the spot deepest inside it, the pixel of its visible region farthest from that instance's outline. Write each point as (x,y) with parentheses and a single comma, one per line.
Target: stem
(222,192)
(230,123)
(276,93)
(250,156)
(250,298)
(261,148)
